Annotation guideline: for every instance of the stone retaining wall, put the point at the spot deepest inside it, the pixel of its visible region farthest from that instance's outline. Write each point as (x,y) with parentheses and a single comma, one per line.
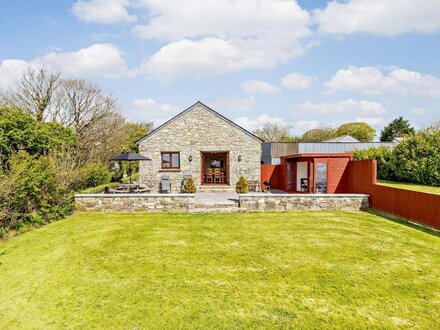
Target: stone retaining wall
(134,202)
(247,202)
(287,202)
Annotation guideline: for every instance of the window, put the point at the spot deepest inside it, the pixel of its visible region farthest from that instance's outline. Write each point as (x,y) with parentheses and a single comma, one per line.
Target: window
(170,160)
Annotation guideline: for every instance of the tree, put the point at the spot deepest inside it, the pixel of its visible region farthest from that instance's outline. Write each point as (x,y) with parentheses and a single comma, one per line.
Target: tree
(360,131)
(35,92)
(318,135)
(399,127)
(19,130)
(133,132)
(273,132)
(92,115)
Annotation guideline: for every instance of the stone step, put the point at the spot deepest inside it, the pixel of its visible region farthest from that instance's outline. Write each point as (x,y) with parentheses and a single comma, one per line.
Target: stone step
(210,205)
(217,210)
(216,189)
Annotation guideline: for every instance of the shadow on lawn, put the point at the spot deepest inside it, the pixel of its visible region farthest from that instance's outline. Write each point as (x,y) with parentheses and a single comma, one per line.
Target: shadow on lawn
(405,222)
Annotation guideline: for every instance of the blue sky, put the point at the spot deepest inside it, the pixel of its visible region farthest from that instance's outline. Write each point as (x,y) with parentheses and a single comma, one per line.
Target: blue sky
(302,64)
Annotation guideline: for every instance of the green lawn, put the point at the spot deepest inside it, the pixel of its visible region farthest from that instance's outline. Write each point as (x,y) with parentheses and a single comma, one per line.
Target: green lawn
(247,270)
(411,186)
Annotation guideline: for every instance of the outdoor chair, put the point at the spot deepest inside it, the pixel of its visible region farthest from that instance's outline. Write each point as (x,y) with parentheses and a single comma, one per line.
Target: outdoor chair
(304,184)
(165,184)
(253,185)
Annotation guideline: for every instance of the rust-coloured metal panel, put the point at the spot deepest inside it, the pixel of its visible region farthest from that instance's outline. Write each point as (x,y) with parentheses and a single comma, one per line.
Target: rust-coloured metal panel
(420,207)
(273,174)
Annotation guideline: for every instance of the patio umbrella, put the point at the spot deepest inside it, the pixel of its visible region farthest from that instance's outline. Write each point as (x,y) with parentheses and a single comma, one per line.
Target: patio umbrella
(129,157)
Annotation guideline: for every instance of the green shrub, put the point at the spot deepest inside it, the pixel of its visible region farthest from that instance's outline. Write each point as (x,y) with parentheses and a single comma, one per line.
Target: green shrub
(383,156)
(94,174)
(190,186)
(242,186)
(416,159)
(32,193)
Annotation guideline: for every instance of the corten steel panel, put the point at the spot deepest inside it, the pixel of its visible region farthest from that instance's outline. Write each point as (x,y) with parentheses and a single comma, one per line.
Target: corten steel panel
(336,168)
(423,208)
(273,174)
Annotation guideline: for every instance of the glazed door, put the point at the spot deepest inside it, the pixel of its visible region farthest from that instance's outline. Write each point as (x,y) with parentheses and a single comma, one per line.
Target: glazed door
(290,176)
(321,178)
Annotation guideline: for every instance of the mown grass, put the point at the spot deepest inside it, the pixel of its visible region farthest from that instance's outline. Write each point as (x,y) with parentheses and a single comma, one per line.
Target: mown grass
(248,270)
(411,186)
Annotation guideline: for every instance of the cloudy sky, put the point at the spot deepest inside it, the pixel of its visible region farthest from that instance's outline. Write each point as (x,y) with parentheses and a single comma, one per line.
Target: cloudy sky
(306,63)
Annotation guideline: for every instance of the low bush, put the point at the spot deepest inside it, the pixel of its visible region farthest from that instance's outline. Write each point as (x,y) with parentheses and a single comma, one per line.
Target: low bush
(242,186)
(94,174)
(190,186)
(32,192)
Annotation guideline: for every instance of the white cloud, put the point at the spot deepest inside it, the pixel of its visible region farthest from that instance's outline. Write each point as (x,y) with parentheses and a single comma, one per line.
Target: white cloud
(372,80)
(150,110)
(297,82)
(10,70)
(234,103)
(259,87)
(373,121)
(302,126)
(381,17)
(220,36)
(103,60)
(258,122)
(102,11)
(346,107)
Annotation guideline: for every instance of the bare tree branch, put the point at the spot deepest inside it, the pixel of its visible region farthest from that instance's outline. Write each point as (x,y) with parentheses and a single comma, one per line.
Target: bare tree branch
(35,92)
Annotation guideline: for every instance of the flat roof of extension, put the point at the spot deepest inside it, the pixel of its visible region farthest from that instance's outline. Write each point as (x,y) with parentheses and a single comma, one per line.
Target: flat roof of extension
(319,155)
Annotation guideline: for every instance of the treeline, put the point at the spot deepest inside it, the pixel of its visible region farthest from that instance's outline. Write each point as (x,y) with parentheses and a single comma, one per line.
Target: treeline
(56,136)
(416,159)
(273,132)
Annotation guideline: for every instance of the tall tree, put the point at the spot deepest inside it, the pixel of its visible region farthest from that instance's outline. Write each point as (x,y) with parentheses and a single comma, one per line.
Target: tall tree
(318,135)
(35,92)
(359,130)
(273,132)
(399,127)
(19,130)
(92,115)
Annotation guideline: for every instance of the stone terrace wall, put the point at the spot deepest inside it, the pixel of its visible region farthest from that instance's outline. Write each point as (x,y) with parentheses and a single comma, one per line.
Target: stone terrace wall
(247,202)
(287,202)
(134,203)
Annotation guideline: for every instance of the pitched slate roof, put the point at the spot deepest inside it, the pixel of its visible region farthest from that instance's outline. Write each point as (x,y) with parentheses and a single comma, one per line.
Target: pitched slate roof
(198,103)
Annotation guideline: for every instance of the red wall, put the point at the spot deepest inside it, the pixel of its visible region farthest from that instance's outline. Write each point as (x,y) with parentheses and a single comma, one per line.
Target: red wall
(416,206)
(273,173)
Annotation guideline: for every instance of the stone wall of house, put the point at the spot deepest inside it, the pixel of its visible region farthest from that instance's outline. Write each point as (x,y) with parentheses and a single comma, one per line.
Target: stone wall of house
(287,202)
(134,202)
(199,130)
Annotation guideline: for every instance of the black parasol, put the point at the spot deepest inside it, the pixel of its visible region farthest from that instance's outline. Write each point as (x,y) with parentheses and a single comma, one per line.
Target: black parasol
(129,157)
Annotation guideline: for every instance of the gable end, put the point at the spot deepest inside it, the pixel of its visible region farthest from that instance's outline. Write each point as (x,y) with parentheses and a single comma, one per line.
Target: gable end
(198,103)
